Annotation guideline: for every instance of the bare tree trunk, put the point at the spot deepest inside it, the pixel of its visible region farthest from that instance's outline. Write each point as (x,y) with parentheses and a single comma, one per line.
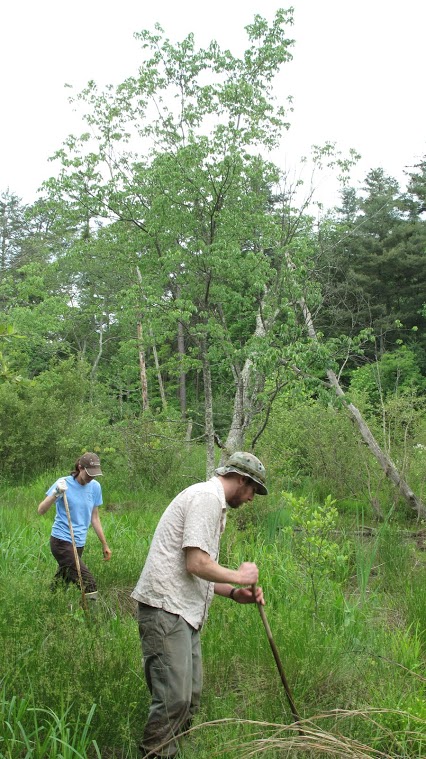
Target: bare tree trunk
(142,368)
(182,375)
(235,437)
(247,383)
(99,354)
(141,351)
(208,416)
(188,433)
(4,231)
(3,254)
(120,401)
(142,364)
(157,367)
(384,460)
(97,359)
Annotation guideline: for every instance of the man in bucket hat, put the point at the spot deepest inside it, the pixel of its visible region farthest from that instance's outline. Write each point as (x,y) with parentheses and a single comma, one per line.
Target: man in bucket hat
(176,587)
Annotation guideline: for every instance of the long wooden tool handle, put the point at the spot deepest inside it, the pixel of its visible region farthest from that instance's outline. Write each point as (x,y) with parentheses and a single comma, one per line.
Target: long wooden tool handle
(278,662)
(76,556)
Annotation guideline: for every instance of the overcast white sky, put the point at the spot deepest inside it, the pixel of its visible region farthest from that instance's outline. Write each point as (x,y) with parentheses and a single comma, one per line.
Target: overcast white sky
(356,76)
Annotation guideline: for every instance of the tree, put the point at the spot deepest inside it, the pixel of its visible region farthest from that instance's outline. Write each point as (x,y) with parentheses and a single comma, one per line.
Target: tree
(417,188)
(375,273)
(12,230)
(174,159)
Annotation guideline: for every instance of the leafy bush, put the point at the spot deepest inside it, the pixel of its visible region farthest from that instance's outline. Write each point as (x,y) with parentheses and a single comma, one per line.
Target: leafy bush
(318,555)
(317,444)
(48,421)
(149,450)
(395,373)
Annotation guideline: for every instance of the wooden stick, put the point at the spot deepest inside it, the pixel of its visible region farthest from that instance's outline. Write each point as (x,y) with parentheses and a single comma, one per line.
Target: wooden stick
(278,662)
(76,556)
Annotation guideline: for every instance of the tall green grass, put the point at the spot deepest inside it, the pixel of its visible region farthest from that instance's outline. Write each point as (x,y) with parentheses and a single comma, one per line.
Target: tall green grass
(74,685)
(31,731)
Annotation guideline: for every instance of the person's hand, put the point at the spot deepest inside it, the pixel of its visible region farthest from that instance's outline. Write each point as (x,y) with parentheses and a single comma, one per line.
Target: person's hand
(107,553)
(61,487)
(248,573)
(245,596)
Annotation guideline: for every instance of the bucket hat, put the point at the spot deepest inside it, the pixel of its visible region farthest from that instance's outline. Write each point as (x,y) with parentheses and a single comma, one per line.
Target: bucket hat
(248,465)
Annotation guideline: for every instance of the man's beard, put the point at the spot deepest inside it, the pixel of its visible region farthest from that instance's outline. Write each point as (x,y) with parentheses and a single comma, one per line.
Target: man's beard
(235,503)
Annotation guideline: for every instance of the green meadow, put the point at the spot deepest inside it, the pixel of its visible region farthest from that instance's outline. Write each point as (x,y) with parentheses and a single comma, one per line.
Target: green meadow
(346,605)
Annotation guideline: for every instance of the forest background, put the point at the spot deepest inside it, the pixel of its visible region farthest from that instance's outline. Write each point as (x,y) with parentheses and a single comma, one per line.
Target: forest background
(173,296)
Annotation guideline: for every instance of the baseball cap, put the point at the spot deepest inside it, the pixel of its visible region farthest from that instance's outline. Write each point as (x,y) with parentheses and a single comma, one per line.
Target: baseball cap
(91,463)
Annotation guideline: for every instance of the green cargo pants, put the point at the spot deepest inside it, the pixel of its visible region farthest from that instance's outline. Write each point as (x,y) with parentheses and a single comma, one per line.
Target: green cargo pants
(174,675)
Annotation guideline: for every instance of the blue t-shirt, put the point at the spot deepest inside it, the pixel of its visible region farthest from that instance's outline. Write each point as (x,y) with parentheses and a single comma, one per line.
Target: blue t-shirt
(82,499)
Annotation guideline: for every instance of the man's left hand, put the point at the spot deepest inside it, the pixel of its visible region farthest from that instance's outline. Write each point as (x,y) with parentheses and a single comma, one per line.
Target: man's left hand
(245,596)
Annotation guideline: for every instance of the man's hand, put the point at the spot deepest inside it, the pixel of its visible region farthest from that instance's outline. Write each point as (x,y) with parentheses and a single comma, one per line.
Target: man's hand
(248,573)
(106,552)
(61,487)
(245,596)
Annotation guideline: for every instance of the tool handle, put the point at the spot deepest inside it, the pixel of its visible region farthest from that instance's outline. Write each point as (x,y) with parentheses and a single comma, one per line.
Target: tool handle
(278,661)
(76,556)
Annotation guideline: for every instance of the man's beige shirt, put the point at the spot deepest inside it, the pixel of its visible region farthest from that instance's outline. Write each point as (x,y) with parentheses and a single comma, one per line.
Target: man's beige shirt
(194,519)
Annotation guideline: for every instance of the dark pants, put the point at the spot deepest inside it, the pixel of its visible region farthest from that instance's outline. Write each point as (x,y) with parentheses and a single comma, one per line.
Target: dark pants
(173,671)
(67,572)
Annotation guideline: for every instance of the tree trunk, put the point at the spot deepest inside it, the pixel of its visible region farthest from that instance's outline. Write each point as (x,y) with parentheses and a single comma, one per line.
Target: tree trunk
(157,367)
(247,382)
(235,437)
(182,375)
(142,368)
(142,360)
(208,416)
(99,354)
(97,359)
(385,462)
(188,433)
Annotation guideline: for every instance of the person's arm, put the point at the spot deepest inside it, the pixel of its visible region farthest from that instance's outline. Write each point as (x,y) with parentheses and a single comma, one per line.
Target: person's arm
(96,524)
(200,564)
(46,504)
(61,487)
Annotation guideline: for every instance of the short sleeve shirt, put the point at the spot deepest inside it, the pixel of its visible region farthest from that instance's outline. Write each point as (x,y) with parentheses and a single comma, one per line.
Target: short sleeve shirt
(194,519)
(82,499)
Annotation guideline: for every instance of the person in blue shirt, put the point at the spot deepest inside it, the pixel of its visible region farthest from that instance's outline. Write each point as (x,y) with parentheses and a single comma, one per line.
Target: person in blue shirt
(84,496)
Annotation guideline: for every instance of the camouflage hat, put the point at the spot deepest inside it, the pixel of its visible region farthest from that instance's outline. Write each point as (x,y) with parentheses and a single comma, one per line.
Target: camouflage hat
(247,465)
(90,462)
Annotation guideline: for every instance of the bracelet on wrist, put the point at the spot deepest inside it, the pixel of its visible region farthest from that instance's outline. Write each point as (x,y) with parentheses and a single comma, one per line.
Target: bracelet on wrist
(231,595)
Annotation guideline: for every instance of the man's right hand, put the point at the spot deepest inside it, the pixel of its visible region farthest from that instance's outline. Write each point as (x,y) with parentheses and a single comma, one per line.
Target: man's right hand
(248,573)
